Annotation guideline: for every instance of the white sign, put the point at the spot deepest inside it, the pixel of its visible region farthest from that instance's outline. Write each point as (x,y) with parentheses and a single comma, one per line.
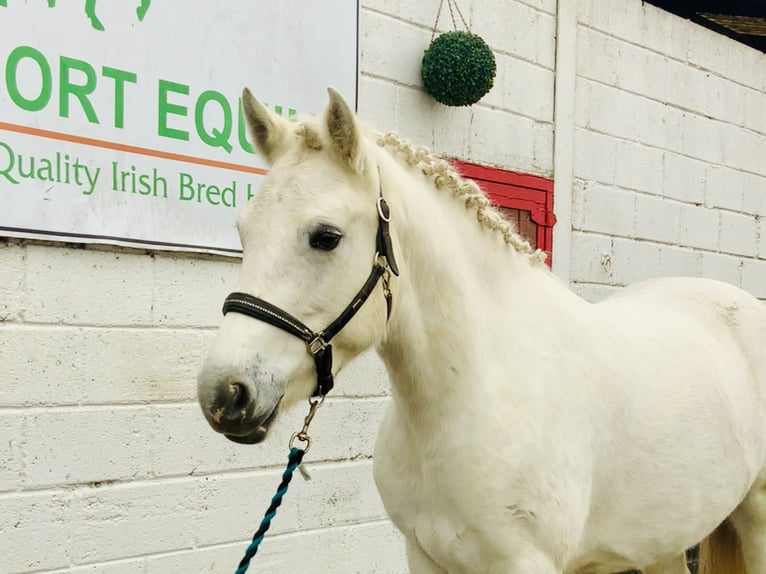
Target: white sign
(120,120)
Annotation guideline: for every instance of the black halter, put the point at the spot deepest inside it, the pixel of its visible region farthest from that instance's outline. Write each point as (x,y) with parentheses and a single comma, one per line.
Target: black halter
(318,343)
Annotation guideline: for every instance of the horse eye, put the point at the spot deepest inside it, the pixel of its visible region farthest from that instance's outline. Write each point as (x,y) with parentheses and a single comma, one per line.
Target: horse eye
(325,238)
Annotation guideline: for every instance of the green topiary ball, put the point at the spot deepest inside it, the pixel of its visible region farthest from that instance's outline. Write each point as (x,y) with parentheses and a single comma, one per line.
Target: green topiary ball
(458,69)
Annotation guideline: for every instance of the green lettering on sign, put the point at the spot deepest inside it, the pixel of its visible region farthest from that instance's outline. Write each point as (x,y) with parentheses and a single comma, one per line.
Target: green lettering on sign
(11,76)
(215,137)
(119,77)
(166,108)
(79,91)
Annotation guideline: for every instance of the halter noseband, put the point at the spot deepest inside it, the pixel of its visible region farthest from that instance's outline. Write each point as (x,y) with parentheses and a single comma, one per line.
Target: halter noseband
(318,343)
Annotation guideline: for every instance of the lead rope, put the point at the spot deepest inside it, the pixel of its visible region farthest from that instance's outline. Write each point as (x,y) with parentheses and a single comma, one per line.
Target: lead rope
(293,462)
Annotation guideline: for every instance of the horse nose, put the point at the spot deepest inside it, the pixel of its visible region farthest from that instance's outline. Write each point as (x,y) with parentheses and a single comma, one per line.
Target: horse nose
(231,404)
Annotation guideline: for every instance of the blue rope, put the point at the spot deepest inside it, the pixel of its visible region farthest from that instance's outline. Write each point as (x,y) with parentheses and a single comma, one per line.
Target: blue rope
(293,461)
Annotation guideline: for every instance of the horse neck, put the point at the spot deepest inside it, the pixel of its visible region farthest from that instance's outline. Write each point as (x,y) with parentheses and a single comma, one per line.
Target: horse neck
(461,294)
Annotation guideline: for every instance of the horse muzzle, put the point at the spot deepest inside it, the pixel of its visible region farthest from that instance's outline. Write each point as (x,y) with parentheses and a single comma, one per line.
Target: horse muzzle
(230,409)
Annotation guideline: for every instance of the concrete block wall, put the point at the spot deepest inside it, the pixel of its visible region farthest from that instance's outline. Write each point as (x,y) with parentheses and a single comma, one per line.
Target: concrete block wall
(511,127)
(670,140)
(106,464)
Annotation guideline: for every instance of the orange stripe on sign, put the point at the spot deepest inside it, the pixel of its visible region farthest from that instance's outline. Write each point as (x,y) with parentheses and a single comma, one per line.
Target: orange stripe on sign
(128,148)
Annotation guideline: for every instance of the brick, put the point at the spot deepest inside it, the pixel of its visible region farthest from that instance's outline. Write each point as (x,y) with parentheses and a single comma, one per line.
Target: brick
(595,156)
(659,126)
(707,51)
(634,261)
(699,227)
(657,219)
(722,267)
(724,188)
(594,260)
(339,495)
(742,149)
(683,178)
(638,167)
(605,210)
(35,531)
(344,430)
(110,522)
(614,111)
(353,549)
(377,103)
(12,262)
(388,45)
(726,100)
(55,451)
(81,365)
(216,559)
(672,120)
(680,262)
(732,60)
(702,138)
(533,31)
(762,239)
(609,18)
(413,112)
(423,121)
(598,57)
(390,7)
(670,34)
(754,194)
(365,376)
(11,456)
(189,292)
(133,566)
(739,234)
(642,71)
(755,103)
(88,286)
(754,277)
(542,150)
(517,76)
(451,129)
(548,6)
(498,138)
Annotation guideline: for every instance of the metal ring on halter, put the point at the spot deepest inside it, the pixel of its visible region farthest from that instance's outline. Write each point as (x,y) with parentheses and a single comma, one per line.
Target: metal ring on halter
(383,211)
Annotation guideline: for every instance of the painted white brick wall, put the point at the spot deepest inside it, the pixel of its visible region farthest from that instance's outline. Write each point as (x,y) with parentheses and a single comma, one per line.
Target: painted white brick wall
(669,144)
(106,464)
(511,127)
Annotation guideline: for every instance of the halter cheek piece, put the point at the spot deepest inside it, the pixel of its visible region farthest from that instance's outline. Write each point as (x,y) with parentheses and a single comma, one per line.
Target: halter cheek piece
(318,343)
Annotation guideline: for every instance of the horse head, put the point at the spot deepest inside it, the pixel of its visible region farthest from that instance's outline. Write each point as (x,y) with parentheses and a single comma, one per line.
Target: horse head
(309,239)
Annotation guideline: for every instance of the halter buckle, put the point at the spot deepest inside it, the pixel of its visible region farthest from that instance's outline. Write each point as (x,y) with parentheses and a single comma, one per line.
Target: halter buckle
(317,344)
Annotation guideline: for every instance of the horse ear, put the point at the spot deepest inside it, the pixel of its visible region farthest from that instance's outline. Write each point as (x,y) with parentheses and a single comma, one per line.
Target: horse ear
(344,131)
(270,131)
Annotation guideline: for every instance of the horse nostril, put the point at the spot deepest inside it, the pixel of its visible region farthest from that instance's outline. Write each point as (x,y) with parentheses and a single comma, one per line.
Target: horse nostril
(240,397)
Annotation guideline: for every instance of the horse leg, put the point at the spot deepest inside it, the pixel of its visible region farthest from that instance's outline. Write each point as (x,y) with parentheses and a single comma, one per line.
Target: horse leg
(674,565)
(749,521)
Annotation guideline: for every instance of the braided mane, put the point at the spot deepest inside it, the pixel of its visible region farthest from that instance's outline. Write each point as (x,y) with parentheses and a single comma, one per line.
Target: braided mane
(446,178)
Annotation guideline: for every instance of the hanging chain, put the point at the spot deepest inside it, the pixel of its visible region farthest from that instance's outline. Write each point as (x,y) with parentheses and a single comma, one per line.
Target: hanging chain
(453,7)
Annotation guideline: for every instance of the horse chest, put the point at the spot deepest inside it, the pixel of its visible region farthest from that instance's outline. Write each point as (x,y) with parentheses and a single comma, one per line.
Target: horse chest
(427,501)
(439,499)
